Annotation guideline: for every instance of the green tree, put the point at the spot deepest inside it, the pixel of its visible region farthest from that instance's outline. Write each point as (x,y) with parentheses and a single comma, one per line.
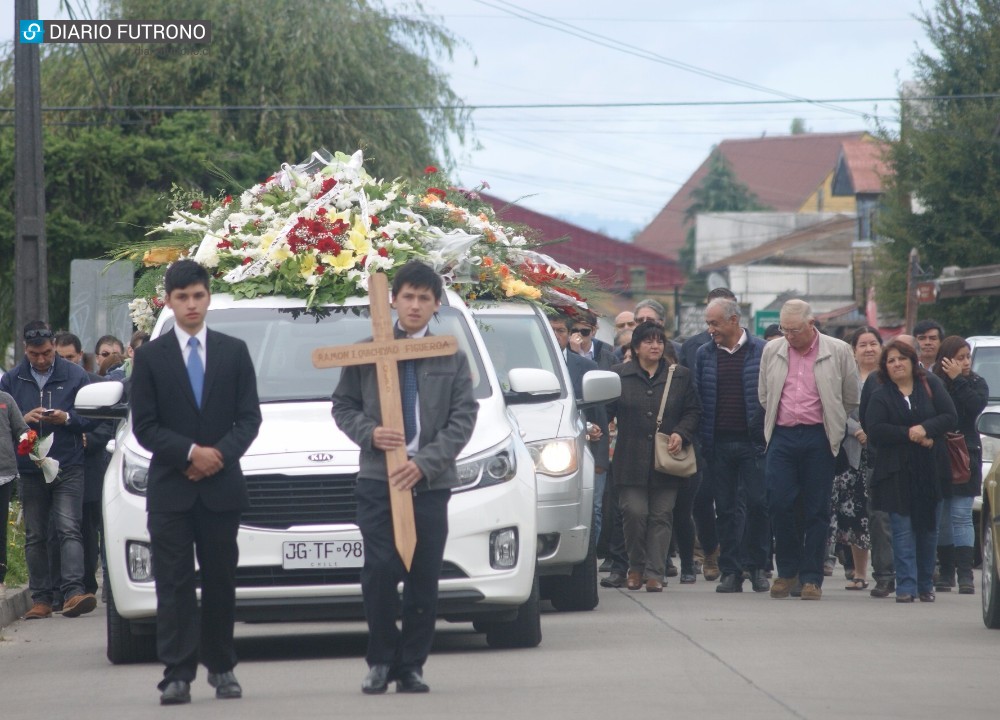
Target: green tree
(105,188)
(946,157)
(719,191)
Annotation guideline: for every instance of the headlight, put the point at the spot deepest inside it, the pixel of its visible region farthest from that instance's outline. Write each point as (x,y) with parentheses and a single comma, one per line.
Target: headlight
(489,468)
(554,457)
(135,472)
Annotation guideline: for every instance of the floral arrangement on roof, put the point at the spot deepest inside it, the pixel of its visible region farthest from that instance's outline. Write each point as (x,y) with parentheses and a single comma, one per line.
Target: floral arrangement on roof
(318,230)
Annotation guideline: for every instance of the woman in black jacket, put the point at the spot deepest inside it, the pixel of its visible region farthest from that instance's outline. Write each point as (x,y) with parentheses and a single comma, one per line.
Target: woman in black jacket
(906,419)
(956,536)
(647,497)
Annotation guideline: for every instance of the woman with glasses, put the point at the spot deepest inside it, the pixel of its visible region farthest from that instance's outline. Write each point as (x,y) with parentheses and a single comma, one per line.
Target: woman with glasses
(646,496)
(907,418)
(956,536)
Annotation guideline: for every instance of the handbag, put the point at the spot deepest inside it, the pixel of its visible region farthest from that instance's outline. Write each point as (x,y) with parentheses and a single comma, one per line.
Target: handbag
(683,463)
(958,452)
(958,458)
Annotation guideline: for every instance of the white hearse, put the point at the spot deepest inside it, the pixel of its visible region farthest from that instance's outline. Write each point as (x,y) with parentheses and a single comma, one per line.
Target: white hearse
(300,551)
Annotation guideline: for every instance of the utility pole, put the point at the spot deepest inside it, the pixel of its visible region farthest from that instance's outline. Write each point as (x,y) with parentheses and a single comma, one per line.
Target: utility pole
(911,291)
(31,280)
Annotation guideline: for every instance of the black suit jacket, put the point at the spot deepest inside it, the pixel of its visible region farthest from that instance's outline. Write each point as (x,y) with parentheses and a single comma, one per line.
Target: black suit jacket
(167,421)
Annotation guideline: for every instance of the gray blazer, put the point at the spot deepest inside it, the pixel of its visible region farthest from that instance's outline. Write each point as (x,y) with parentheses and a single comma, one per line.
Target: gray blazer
(448,410)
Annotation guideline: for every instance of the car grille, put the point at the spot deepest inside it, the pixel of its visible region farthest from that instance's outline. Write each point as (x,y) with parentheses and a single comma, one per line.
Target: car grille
(278,502)
(273,576)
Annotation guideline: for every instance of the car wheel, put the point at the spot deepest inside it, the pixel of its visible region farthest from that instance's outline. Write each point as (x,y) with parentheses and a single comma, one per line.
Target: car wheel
(524,631)
(990,581)
(125,645)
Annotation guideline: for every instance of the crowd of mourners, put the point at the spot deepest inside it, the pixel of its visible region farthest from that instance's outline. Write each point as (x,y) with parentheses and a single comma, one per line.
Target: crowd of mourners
(809,449)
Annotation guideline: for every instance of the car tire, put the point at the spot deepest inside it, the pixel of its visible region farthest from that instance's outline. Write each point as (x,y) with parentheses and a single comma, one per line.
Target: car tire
(990,580)
(524,631)
(577,591)
(125,646)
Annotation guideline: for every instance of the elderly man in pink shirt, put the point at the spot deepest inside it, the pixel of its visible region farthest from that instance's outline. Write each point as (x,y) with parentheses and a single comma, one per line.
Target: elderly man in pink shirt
(808,385)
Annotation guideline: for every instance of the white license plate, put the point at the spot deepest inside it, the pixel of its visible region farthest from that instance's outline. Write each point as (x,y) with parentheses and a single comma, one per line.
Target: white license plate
(321,554)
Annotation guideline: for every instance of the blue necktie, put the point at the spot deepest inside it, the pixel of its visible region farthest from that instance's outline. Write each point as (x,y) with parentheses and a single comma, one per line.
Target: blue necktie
(410,399)
(196,371)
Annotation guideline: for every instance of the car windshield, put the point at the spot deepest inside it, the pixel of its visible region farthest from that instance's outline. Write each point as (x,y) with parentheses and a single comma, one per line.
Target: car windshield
(281,342)
(518,341)
(986,363)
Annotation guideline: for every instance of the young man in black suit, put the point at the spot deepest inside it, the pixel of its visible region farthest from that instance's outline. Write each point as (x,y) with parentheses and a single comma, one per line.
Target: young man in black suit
(194,406)
(441,417)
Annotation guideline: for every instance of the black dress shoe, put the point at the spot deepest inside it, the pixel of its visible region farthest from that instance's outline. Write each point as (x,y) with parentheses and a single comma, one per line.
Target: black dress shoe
(730,583)
(226,685)
(411,681)
(177,692)
(377,680)
(927,597)
(614,580)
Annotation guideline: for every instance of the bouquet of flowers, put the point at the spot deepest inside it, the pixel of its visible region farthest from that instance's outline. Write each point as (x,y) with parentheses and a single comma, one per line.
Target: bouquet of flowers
(318,230)
(37,448)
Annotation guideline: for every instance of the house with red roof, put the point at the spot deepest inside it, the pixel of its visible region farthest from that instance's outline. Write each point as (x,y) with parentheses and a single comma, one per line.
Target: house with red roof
(788,174)
(626,273)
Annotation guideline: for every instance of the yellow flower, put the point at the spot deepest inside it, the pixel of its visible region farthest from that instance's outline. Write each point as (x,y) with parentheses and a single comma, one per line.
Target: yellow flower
(160,256)
(514,287)
(307,265)
(358,238)
(341,262)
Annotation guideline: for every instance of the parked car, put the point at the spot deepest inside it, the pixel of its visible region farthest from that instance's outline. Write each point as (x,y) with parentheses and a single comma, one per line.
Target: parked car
(989,527)
(300,473)
(986,363)
(519,337)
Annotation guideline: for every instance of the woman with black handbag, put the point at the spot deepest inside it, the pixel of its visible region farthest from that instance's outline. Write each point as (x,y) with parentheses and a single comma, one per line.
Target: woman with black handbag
(907,418)
(647,496)
(956,536)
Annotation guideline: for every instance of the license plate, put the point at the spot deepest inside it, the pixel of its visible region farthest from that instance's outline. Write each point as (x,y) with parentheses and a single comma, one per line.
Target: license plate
(321,554)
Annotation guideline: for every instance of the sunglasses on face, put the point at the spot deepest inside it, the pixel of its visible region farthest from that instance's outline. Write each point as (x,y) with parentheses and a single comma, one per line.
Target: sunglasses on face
(37,334)
(585,331)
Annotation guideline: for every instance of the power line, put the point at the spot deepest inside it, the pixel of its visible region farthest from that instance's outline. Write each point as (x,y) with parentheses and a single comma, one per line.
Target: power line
(501,106)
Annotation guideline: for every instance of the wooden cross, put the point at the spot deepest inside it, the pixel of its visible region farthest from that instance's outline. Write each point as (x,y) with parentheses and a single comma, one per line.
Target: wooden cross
(385,351)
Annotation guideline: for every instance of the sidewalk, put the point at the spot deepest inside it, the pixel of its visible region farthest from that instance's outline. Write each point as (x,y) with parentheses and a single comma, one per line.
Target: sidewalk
(14,602)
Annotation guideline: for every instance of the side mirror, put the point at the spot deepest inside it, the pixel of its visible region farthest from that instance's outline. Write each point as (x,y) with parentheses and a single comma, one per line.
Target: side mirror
(102,401)
(531,385)
(600,386)
(989,423)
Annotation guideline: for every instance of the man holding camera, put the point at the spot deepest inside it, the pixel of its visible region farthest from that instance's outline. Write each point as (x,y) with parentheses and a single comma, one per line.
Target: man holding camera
(44,386)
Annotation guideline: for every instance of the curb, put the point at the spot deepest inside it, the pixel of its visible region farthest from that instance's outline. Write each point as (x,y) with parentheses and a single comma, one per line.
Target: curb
(14,603)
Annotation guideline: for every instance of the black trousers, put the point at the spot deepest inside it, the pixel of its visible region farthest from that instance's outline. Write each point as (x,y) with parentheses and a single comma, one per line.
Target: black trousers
(183,633)
(405,649)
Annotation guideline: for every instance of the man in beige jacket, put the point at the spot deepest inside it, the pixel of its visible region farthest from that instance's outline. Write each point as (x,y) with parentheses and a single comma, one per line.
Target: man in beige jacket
(808,385)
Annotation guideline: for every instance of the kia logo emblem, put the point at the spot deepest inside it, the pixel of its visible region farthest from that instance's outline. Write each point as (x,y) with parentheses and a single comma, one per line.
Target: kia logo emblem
(321,457)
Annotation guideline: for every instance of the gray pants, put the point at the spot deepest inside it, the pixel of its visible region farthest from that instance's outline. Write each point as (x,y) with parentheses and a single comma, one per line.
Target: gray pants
(648,519)
(881,532)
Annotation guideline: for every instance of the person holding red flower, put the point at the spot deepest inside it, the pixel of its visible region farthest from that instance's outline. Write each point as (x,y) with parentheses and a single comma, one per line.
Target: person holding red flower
(12,425)
(44,386)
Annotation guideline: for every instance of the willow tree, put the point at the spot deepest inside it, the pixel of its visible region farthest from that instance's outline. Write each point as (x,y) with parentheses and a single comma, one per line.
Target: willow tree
(374,71)
(943,194)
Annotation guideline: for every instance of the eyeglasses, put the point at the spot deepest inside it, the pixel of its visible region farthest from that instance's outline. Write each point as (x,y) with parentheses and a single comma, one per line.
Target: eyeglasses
(792,331)
(37,334)
(106,353)
(585,331)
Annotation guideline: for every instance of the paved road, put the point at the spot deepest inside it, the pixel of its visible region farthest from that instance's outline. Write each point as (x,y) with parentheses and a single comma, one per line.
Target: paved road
(688,652)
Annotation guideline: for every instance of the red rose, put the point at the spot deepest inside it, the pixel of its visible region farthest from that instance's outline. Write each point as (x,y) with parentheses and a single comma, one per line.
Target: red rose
(320,269)
(247,260)
(374,220)
(383,252)
(226,200)
(321,212)
(430,170)
(326,187)
(196,205)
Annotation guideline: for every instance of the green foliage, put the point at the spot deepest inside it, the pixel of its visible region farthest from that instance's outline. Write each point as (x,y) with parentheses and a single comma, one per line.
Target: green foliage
(719,191)
(105,188)
(947,156)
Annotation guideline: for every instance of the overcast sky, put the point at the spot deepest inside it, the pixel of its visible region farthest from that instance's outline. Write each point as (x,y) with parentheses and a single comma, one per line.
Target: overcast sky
(613,168)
